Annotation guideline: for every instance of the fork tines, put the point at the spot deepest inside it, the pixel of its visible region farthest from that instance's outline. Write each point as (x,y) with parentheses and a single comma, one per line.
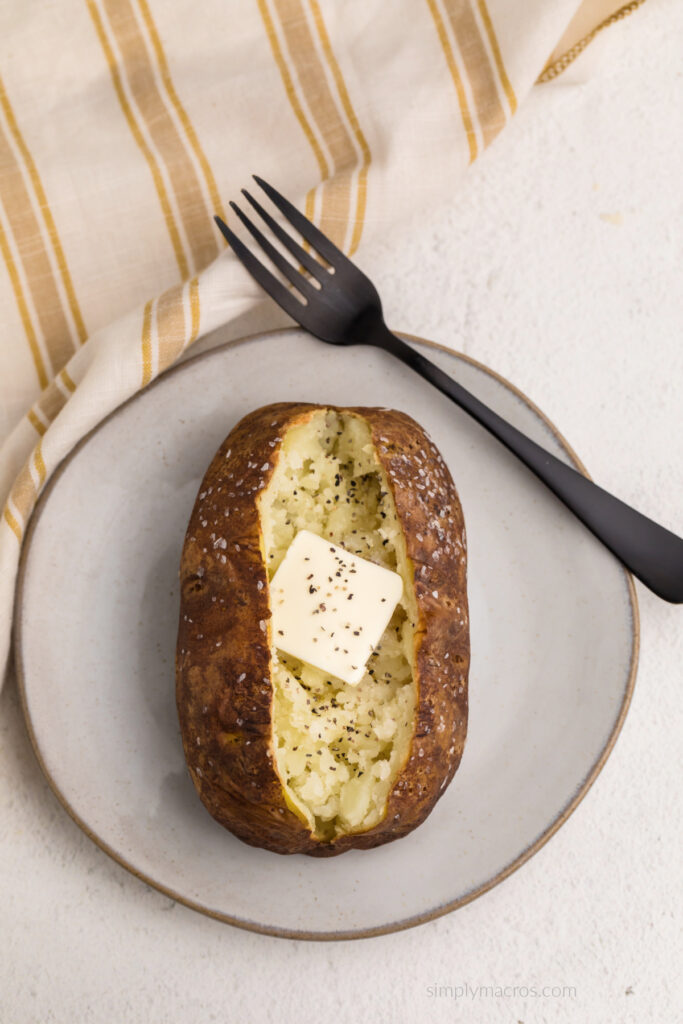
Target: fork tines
(306,261)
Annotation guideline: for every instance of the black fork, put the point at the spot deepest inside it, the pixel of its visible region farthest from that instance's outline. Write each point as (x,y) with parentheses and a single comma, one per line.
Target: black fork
(340,305)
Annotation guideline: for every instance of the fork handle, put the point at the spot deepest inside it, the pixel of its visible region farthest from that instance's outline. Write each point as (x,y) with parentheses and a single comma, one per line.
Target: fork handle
(653,554)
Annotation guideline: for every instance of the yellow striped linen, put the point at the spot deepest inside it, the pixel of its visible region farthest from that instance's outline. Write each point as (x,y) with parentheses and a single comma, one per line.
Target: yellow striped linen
(126,124)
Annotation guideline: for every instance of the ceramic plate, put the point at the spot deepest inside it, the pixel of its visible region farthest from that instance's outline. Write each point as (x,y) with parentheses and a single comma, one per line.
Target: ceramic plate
(554,646)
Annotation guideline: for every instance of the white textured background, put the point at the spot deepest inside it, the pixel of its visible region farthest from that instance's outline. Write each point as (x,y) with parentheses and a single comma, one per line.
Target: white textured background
(559,264)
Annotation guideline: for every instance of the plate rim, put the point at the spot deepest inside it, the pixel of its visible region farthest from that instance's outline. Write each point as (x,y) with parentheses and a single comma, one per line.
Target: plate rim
(253,926)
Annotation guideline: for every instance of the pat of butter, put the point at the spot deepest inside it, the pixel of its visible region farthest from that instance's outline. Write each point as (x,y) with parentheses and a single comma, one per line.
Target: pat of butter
(330,607)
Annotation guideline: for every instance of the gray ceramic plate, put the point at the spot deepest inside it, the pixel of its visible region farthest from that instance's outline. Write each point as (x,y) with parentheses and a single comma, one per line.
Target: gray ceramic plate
(554,647)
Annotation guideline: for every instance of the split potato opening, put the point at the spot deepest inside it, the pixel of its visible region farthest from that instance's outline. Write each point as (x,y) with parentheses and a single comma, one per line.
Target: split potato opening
(340,747)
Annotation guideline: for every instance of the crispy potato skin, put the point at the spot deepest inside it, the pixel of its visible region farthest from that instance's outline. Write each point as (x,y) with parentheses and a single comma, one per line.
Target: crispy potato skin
(223,688)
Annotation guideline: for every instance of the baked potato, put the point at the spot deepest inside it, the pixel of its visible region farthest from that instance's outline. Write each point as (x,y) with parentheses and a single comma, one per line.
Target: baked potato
(283,755)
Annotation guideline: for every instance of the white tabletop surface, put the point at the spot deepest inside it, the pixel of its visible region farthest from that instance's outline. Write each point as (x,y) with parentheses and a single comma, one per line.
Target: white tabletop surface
(557,263)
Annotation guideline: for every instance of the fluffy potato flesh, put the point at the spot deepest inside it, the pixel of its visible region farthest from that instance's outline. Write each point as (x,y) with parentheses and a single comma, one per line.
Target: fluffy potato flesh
(338,747)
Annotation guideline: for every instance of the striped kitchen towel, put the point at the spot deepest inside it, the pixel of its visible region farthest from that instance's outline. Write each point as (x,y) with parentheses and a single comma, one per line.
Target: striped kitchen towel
(126,124)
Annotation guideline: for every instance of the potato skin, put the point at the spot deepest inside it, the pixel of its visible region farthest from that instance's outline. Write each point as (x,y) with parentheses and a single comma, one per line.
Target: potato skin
(223,687)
